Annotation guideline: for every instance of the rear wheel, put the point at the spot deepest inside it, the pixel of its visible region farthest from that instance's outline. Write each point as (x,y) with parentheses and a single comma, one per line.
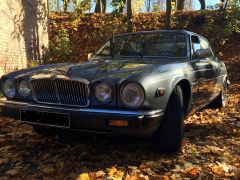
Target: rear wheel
(170,133)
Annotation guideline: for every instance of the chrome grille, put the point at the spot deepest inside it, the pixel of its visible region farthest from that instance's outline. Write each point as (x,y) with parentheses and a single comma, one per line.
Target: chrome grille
(60,92)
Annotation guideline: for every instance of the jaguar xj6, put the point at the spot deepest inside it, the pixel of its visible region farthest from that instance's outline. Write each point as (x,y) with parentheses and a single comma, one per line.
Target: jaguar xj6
(137,84)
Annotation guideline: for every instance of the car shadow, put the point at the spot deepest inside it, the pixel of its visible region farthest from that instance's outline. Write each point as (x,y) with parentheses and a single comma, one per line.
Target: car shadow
(68,152)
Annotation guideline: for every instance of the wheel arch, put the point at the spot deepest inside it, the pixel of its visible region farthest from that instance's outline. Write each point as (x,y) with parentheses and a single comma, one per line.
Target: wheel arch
(186,90)
(226,79)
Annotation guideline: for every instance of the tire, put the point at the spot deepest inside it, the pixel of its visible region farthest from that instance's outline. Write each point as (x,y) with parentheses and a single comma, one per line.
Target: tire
(170,133)
(220,100)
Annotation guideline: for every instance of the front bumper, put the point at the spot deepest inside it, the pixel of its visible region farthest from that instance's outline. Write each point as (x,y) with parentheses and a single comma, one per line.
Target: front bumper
(142,123)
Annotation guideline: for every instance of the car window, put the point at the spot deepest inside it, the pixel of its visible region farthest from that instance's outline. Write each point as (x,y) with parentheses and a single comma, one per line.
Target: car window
(105,50)
(145,44)
(172,45)
(205,45)
(199,43)
(195,45)
(130,49)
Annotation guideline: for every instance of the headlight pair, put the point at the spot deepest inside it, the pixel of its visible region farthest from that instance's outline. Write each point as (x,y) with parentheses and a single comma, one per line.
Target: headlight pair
(10,90)
(132,94)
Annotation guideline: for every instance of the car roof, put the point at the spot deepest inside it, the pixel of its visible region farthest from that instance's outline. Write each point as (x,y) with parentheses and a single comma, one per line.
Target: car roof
(156,31)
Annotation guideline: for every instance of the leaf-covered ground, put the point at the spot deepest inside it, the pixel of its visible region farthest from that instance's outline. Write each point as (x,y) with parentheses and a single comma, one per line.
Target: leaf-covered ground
(210,149)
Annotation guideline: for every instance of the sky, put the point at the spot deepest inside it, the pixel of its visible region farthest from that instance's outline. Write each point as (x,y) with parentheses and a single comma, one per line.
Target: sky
(196,4)
(208,3)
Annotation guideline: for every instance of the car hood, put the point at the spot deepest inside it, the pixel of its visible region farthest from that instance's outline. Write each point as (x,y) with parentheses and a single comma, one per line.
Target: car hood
(97,70)
(93,70)
(101,70)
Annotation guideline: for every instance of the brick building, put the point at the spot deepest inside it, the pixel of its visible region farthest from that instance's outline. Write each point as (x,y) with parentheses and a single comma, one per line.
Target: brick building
(23,33)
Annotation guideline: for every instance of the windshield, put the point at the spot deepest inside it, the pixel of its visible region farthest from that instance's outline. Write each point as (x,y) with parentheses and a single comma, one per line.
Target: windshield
(160,44)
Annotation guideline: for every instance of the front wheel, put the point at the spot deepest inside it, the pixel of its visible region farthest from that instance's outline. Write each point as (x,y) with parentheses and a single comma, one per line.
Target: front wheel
(170,133)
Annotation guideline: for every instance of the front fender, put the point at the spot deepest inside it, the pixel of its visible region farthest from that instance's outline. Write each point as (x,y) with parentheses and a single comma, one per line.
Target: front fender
(160,102)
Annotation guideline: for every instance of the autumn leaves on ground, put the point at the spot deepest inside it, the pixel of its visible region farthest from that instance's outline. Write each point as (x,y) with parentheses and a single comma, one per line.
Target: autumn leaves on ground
(210,148)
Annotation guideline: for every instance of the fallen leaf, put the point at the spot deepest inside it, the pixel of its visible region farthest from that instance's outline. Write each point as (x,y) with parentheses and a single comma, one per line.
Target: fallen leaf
(192,171)
(83,176)
(99,174)
(130,177)
(47,169)
(12,172)
(115,173)
(217,170)
(3,160)
(112,171)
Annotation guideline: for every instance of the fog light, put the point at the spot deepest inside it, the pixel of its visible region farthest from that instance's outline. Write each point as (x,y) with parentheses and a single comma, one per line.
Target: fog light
(118,123)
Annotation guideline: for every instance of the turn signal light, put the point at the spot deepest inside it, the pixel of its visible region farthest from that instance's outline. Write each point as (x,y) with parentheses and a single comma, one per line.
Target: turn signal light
(160,92)
(118,123)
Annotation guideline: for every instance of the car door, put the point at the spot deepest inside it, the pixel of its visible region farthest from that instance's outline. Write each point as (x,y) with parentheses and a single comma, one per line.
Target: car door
(205,72)
(212,74)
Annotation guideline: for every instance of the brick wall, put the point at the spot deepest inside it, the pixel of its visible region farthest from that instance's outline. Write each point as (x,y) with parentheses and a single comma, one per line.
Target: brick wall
(23,33)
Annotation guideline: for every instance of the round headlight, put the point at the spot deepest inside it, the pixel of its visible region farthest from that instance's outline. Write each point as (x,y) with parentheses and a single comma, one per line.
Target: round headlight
(9,88)
(103,92)
(132,95)
(23,88)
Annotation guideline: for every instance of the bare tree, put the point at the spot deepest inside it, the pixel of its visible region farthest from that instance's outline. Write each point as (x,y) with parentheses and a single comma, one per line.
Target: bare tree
(226,4)
(122,5)
(147,5)
(188,4)
(100,6)
(129,15)
(180,4)
(223,4)
(167,21)
(65,5)
(203,5)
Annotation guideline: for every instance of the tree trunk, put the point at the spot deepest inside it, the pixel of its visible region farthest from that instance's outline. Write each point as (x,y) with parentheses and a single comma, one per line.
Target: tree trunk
(225,5)
(222,4)
(203,5)
(148,5)
(58,6)
(129,15)
(180,4)
(100,6)
(104,3)
(65,5)
(121,7)
(167,21)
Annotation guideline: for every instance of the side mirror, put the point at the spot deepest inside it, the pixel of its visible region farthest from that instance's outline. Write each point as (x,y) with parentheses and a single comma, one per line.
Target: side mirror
(90,55)
(203,53)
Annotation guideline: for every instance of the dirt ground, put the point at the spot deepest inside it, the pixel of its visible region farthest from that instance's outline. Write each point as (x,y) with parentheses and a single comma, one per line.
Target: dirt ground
(210,149)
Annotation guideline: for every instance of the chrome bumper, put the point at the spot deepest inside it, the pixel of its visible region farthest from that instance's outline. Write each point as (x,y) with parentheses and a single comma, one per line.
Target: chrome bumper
(140,114)
(143,123)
